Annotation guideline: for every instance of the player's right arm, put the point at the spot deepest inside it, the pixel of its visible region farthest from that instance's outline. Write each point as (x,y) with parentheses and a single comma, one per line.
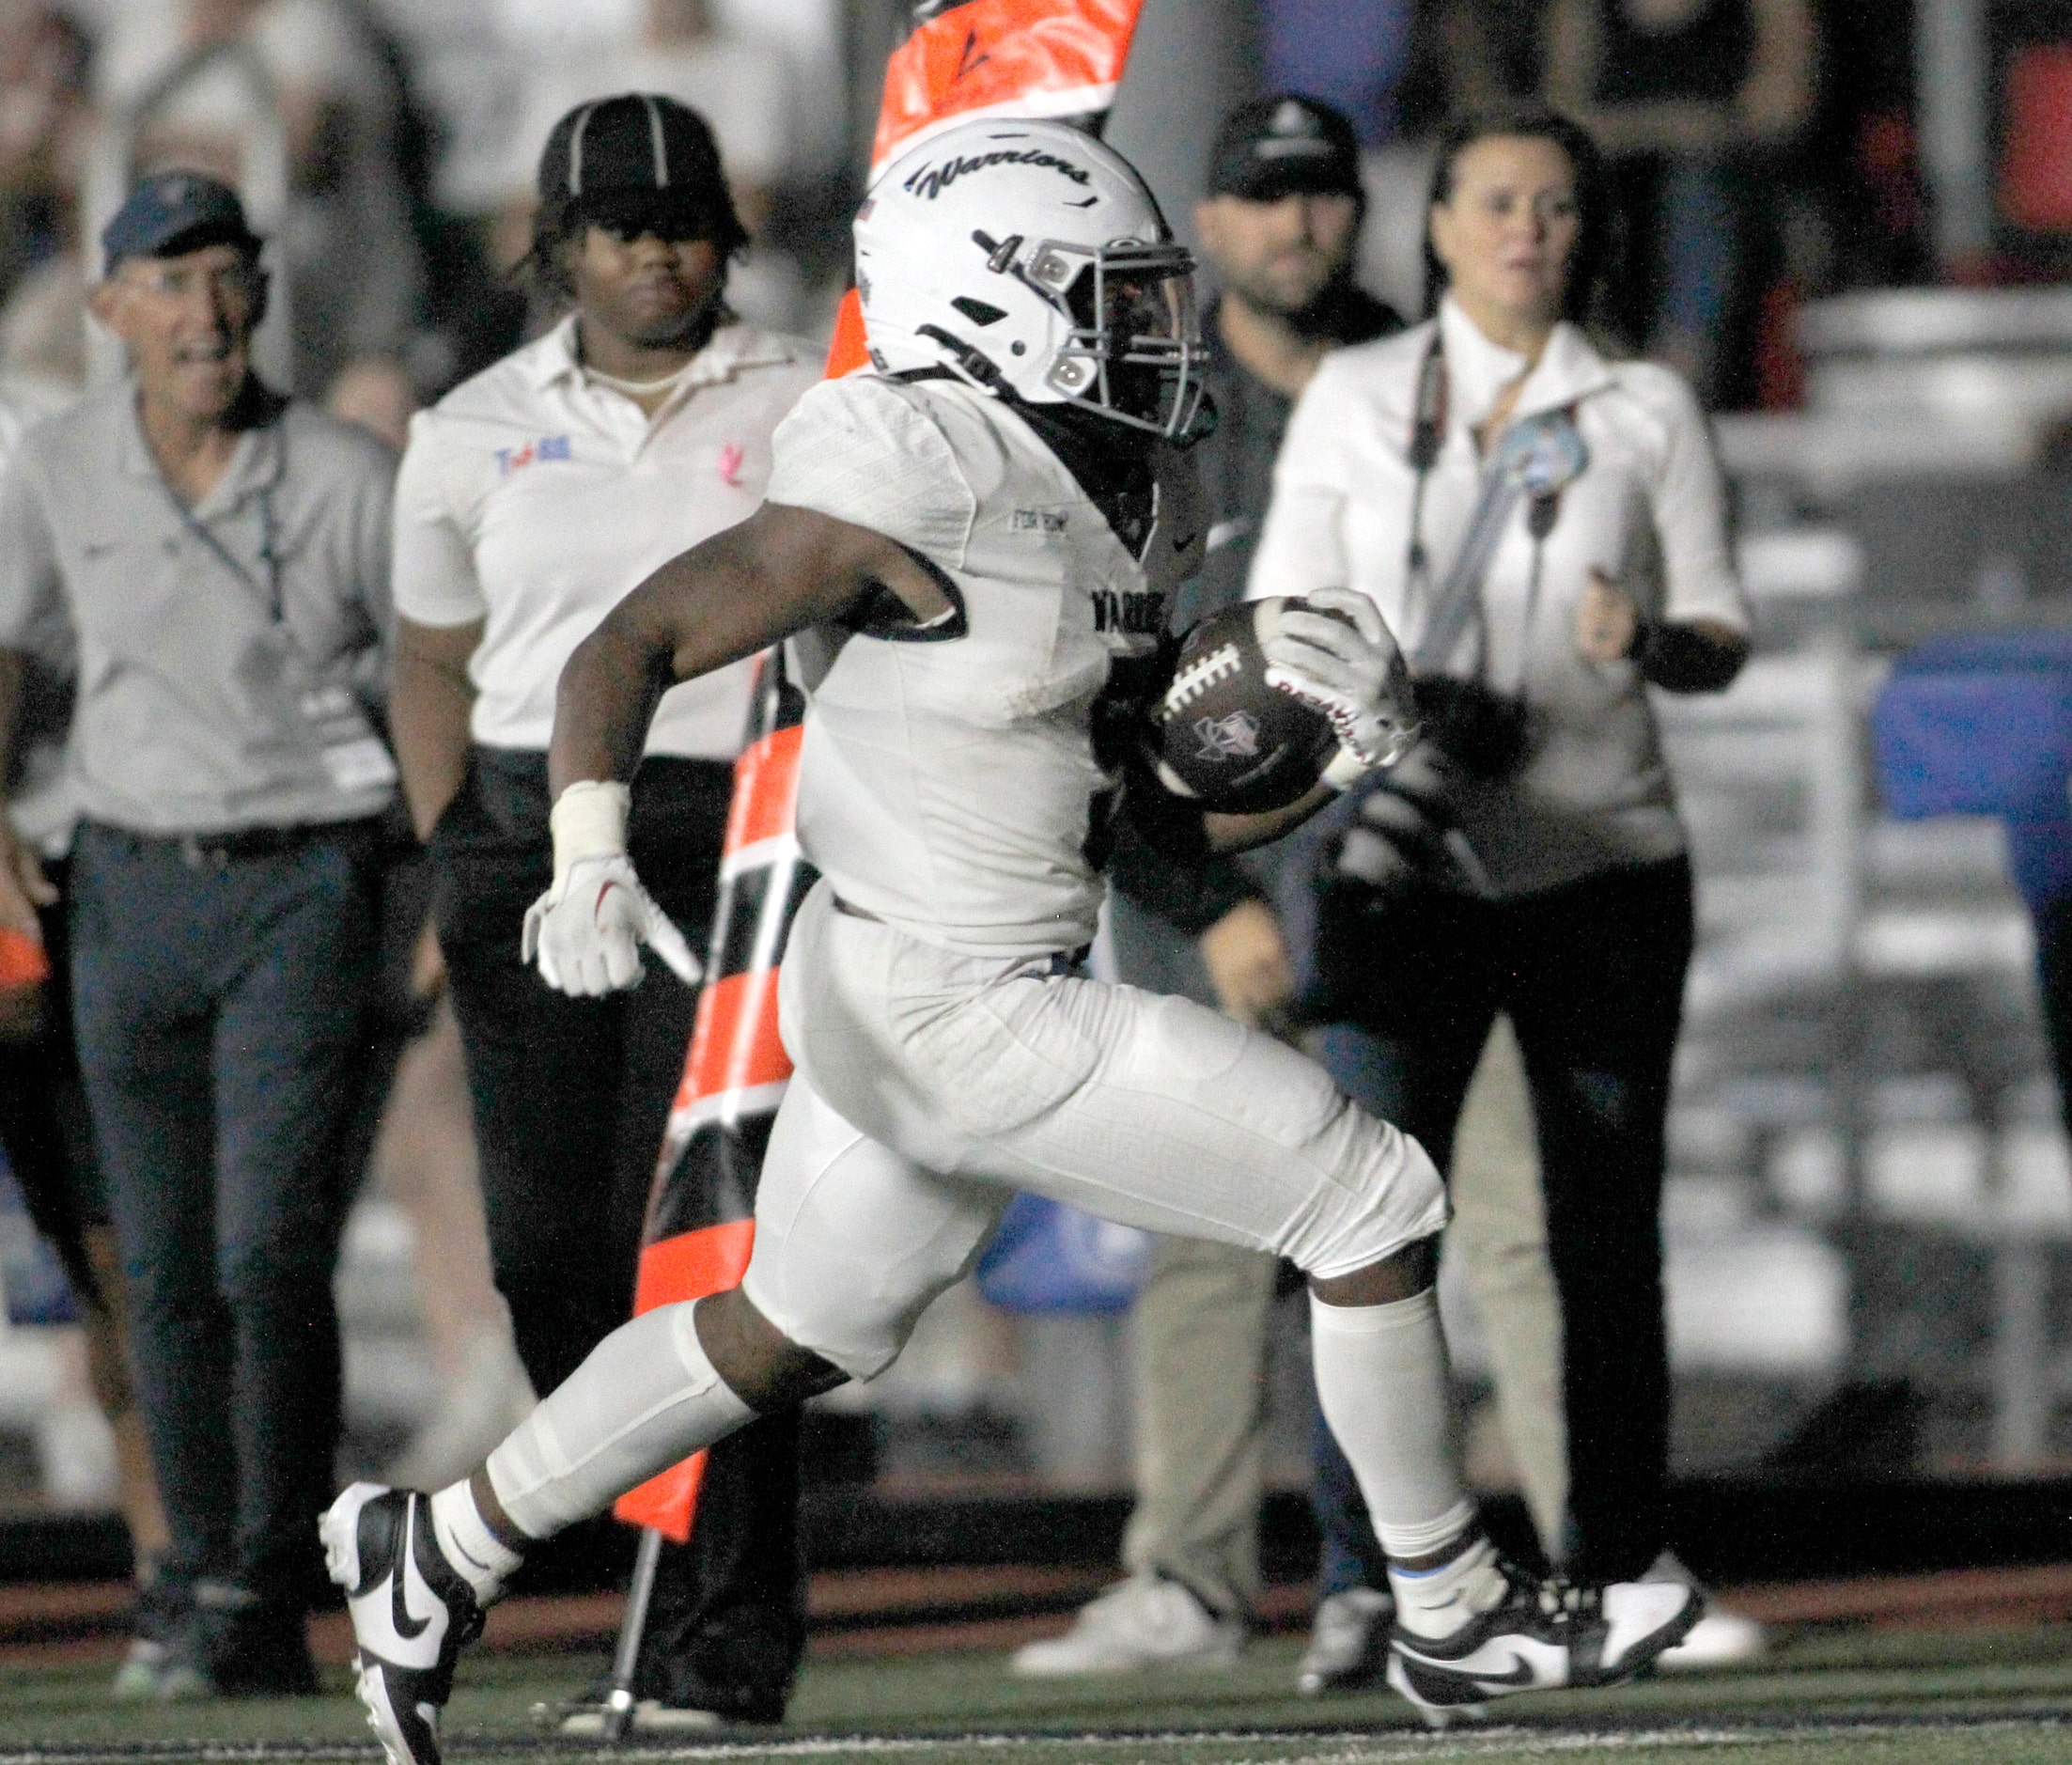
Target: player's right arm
(782,571)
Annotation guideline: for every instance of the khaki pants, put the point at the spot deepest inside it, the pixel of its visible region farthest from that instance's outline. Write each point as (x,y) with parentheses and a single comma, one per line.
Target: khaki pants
(1499,1231)
(1201,1347)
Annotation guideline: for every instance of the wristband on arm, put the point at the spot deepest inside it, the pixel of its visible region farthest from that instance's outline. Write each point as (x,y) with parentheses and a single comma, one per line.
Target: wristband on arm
(589,820)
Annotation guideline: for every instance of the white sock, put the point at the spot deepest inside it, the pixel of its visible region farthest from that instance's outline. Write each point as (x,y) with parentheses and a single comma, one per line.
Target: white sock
(484,1561)
(1437,1601)
(1381,1381)
(645,1398)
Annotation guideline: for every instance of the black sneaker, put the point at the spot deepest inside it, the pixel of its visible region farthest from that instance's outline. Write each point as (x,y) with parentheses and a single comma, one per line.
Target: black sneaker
(1543,1633)
(411,1612)
(246,1647)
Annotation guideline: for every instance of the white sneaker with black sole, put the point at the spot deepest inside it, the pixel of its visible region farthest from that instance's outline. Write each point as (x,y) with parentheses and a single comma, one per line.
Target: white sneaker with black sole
(411,1612)
(1146,1621)
(1540,1636)
(1348,1641)
(1720,1639)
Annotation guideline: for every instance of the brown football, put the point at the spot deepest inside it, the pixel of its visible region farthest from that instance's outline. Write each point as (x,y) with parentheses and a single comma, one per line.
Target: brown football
(1219,735)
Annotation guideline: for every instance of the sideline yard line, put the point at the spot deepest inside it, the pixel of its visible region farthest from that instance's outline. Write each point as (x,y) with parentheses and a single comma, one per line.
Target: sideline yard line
(1393,1747)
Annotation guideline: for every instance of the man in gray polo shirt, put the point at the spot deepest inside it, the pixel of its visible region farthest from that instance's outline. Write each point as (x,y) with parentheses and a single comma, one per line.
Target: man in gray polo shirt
(210,562)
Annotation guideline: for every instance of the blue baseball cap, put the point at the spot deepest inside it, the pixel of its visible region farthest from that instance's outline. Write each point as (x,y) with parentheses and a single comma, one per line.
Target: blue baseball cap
(172,212)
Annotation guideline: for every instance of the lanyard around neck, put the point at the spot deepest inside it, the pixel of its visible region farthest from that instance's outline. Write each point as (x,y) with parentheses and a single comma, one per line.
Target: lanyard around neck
(1462,593)
(270,591)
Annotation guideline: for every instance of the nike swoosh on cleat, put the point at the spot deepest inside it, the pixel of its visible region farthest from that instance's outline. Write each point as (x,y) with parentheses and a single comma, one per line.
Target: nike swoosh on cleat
(1518,1673)
(409,1629)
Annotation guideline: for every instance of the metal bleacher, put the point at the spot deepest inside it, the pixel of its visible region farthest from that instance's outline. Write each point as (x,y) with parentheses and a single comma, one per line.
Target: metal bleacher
(1870,1182)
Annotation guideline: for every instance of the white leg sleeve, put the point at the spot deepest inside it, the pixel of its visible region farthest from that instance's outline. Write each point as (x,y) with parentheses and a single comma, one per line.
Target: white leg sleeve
(645,1398)
(1381,1381)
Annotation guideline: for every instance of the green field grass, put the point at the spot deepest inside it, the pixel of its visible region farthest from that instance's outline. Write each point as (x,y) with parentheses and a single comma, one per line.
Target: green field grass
(1975,1697)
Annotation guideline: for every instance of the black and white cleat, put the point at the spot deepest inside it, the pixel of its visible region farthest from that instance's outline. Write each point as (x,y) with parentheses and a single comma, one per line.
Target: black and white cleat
(1541,1635)
(411,1614)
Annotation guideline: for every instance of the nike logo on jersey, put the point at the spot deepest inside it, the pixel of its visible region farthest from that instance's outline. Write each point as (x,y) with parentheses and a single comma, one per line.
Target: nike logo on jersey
(731,457)
(409,1629)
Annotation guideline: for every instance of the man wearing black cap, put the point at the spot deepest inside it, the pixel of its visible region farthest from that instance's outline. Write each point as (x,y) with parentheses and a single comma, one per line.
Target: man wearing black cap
(209,562)
(532,499)
(1278,228)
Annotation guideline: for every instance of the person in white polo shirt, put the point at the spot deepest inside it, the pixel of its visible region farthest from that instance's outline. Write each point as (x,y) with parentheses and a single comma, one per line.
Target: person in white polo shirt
(533,498)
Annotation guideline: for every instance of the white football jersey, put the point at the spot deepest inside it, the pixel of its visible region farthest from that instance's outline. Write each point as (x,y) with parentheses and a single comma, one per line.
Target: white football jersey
(948,783)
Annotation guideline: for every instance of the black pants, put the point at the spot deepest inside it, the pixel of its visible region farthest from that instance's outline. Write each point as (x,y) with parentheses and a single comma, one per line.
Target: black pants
(1592,977)
(570,1099)
(220,1010)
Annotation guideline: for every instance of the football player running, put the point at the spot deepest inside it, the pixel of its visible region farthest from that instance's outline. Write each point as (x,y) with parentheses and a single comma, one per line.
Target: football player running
(976,534)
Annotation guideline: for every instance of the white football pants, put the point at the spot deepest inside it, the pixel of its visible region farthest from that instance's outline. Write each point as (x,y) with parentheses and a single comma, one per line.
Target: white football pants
(931,1086)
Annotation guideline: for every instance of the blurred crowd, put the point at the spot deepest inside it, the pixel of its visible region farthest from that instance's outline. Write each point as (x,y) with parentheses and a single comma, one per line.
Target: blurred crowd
(389,151)
(1763,152)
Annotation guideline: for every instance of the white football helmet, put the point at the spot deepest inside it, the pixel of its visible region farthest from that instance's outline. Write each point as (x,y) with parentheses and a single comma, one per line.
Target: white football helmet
(1028,257)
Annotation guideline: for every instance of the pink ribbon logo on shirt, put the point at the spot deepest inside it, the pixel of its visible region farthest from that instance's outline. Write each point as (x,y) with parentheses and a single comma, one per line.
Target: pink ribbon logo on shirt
(730,465)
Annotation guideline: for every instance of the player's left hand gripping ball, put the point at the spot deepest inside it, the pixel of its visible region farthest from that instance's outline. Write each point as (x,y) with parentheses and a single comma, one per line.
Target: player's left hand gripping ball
(588,928)
(1336,654)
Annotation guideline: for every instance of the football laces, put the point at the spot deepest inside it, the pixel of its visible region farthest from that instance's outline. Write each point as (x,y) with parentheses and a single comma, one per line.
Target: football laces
(1201,674)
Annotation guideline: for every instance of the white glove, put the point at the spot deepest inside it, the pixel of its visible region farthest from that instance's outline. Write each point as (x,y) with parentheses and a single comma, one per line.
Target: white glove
(588,928)
(1351,672)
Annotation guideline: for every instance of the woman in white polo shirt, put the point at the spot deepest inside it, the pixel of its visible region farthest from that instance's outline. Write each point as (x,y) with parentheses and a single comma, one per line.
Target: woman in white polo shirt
(531,499)
(1529,858)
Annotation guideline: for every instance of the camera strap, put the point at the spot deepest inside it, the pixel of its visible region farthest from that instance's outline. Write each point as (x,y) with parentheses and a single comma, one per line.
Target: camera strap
(1534,461)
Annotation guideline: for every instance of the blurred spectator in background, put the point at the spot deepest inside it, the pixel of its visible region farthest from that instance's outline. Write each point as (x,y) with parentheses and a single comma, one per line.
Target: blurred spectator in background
(44,121)
(1687,97)
(533,498)
(288,101)
(47,125)
(378,395)
(216,558)
(1352,54)
(739,87)
(1528,857)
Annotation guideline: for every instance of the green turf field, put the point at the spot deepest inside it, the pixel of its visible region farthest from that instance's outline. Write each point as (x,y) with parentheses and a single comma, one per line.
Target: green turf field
(1976,1698)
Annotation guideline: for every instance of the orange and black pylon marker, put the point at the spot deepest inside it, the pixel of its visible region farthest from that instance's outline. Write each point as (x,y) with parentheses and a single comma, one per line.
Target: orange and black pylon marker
(701,1212)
